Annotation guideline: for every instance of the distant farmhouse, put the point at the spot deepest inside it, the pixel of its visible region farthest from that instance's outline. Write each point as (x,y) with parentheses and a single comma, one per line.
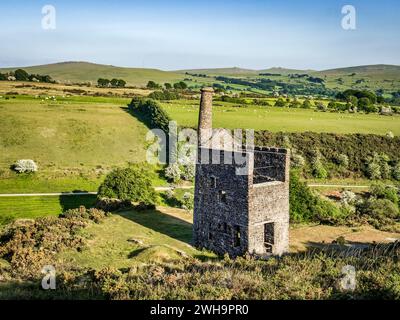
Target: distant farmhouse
(239,208)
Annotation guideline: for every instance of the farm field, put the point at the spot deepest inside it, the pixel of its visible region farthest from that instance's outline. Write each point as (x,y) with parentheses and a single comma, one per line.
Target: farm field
(226,115)
(69,136)
(12,208)
(78,92)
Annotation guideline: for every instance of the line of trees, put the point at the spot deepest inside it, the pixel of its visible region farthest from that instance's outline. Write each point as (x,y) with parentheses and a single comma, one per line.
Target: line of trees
(113,83)
(168,86)
(22,75)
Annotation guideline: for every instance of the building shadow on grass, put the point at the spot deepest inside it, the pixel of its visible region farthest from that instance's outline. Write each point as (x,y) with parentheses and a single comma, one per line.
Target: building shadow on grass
(69,201)
(158,221)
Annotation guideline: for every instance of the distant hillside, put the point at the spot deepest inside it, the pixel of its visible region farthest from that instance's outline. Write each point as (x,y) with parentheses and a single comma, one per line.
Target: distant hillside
(234,71)
(284,71)
(366,70)
(361,77)
(85,71)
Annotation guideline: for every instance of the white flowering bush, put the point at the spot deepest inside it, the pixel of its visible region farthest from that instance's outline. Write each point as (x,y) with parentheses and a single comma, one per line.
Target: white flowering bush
(390,134)
(173,172)
(187,201)
(348,198)
(25,166)
(188,171)
(343,160)
(297,160)
(170,194)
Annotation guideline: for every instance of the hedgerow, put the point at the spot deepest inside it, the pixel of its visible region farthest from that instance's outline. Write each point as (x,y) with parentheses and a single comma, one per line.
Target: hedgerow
(343,154)
(150,112)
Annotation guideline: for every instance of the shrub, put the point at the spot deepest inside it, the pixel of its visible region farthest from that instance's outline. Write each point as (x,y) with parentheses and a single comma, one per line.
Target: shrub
(381,191)
(321,107)
(348,198)
(343,160)
(396,172)
(25,166)
(390,134)
(318,170)
(378,212)
(386,170)
(151,113)
(131,184)
(306,104)
(297,160)
(187,201)
(358,147)
(173,172)
(21,75)
(28,245)
(373,169)
(306,206)
(280,103)
(164,95)
(188,171)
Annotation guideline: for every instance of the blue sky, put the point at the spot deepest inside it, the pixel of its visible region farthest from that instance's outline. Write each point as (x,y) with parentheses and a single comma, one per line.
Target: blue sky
(172,35)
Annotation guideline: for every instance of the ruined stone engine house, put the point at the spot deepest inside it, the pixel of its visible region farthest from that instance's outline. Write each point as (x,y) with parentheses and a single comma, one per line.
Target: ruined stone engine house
(240,213)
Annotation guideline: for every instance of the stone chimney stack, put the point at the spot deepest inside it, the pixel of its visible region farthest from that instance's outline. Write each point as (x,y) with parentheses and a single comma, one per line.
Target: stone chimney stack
(205,117)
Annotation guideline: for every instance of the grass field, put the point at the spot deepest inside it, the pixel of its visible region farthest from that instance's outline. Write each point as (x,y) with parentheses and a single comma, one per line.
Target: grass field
(32,207)
(71,135)
(225,115)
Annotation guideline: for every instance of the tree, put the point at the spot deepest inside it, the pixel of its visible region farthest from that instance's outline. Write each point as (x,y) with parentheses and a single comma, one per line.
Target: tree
(306,104)
(21,75)
(103,82)
(167,86)
(280,103)
(133,184)
(332,105)
(121,83)
(152,85)
(363,103)
(180,85)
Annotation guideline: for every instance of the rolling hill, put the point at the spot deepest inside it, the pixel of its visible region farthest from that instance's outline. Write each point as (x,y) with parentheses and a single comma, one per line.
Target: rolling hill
(85,71)
(361,77)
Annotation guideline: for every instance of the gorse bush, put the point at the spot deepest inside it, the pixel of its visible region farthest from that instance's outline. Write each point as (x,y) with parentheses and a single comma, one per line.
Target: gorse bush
(28,245)
(396,172)
(382,191)
(133,184)
(360,150)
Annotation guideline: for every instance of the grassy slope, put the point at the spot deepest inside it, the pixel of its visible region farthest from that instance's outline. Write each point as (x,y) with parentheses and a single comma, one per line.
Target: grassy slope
(69,135)
(284,119)
(32,207)
(164,233)
(84,71)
